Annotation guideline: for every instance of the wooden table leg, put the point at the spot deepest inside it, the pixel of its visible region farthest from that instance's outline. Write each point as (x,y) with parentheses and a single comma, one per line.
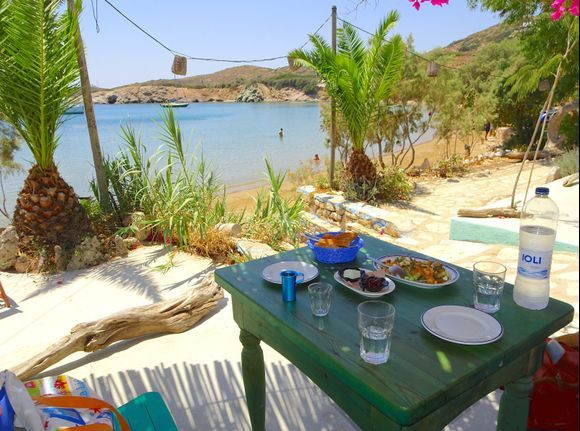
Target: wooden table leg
(514,407)
(254,379)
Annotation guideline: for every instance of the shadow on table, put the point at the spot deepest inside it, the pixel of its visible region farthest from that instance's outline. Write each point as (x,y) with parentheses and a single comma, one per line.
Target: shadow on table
(211,396)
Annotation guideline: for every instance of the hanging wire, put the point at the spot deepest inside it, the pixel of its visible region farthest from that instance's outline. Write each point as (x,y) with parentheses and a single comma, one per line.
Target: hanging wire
(412,52)
(95,9)
(191,57)
(139,27)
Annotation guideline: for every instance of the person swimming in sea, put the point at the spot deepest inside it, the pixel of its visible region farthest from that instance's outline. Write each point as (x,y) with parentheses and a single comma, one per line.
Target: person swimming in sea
(281,133)
(316,158)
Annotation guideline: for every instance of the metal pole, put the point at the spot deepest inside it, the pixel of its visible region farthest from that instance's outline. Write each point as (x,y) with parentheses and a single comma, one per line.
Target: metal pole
(90,115)
(332,109)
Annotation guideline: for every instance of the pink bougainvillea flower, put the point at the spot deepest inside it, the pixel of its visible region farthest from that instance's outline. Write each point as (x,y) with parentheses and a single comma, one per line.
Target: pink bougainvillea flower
(417,3)
(560,8)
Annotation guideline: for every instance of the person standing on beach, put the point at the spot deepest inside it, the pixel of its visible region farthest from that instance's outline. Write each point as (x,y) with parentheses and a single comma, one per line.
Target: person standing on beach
(487,129)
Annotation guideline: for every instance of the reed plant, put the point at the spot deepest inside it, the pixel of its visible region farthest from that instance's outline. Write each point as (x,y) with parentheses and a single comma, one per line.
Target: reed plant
(275,219)
(179,195)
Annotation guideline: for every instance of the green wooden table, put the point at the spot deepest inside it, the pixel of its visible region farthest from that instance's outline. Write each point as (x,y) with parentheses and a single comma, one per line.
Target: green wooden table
(426,382)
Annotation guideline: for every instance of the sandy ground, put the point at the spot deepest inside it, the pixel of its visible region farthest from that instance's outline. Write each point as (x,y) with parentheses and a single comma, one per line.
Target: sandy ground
(198,372)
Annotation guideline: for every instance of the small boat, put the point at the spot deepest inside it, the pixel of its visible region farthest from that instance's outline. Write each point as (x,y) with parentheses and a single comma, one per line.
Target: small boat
(175,105)
(75,110)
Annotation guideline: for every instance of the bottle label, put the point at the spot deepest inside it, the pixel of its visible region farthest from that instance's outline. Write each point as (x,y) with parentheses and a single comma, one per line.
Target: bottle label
(535,264)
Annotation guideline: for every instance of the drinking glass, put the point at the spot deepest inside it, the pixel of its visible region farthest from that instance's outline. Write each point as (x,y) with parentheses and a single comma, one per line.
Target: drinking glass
(376,320)
(320,298)
(488,282)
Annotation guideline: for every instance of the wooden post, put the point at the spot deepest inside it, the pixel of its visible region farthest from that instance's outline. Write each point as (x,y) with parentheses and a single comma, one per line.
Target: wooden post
(332,110)
(104,199)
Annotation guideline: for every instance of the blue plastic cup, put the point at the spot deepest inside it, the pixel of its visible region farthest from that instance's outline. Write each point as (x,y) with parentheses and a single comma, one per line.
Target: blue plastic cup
(289,280)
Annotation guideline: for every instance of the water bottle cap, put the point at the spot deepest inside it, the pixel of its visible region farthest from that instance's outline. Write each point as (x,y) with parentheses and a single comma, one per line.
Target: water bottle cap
(543,191)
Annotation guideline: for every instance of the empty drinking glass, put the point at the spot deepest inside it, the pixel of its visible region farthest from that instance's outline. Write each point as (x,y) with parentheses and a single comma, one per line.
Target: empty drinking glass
(376,320)
(488,282)
(320,298)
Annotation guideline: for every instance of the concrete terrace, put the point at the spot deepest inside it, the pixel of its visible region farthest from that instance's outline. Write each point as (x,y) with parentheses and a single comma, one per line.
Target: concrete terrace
(199,372)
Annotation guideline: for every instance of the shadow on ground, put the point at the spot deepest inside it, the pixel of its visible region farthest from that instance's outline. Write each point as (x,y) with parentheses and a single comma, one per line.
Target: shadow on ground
(211,397)
(136,273)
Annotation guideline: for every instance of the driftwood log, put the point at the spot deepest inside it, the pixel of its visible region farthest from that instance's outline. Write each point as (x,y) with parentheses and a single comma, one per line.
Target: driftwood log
(172,316)
(519,155)
(571,180)
(489,213)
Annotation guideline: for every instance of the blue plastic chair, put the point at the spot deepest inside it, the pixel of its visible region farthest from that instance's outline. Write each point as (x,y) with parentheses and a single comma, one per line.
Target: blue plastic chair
(148,412)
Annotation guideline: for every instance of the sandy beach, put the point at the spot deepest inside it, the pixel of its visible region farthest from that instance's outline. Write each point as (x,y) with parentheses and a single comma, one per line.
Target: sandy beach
(243,196)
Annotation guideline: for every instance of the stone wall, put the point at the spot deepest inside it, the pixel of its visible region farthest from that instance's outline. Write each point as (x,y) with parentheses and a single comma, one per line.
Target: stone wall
(335,208)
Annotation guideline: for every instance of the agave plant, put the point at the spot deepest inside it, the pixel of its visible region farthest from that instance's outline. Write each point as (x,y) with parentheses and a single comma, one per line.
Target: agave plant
(39,81)
(358,77)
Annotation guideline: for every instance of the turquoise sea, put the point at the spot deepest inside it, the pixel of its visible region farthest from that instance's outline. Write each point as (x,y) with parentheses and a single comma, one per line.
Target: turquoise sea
(235,138)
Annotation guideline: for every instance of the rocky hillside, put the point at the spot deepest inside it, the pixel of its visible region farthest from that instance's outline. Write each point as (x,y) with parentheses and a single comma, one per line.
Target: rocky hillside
(244,84)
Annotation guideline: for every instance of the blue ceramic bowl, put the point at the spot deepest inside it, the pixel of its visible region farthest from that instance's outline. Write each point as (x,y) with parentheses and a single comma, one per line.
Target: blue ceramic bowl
(335,255)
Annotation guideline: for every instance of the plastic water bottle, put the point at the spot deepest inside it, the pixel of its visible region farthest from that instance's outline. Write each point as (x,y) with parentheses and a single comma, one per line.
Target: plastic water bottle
(538,226)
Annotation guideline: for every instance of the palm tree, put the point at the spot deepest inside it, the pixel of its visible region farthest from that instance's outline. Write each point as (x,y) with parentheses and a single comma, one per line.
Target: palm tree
(39,81)
(358,77)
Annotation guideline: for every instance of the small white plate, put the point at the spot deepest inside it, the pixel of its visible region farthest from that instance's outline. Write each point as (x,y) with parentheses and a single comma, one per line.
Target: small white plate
(357,289)
(272,272)
(462,325)
(452,273)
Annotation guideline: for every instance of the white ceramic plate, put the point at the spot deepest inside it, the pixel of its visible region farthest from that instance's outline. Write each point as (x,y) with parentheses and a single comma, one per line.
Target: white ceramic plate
(462,325)
(272,272)
(452,273)
(356,288)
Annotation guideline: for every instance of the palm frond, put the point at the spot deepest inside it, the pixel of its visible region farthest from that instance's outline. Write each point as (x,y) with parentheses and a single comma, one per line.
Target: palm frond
(358,76)
(39,77)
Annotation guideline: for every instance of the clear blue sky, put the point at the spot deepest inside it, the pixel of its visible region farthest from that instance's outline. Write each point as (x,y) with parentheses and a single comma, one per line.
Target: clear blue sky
(120,54)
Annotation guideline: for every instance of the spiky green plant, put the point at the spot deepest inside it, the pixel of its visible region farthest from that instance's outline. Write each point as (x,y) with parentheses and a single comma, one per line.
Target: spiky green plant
(39,81)
(358,77)
(275,219)
(180,196)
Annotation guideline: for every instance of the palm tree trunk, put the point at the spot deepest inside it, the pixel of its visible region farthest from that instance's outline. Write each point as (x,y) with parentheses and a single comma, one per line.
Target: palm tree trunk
(104,198)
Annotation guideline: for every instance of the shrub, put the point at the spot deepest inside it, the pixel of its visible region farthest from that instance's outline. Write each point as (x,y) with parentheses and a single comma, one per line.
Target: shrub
(395,185)
(452,166)
(360,190)
(275,219)
(568,162)
(392,184)
(570,129)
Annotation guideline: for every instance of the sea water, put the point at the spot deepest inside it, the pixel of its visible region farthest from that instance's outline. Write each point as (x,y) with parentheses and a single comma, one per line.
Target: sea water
(532,286)
(375,344)
(235,139)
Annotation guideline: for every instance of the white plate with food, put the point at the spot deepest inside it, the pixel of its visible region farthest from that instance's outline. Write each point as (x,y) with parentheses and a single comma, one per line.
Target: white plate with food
(462,325)
(272,272)
(365,282)
(417,271)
